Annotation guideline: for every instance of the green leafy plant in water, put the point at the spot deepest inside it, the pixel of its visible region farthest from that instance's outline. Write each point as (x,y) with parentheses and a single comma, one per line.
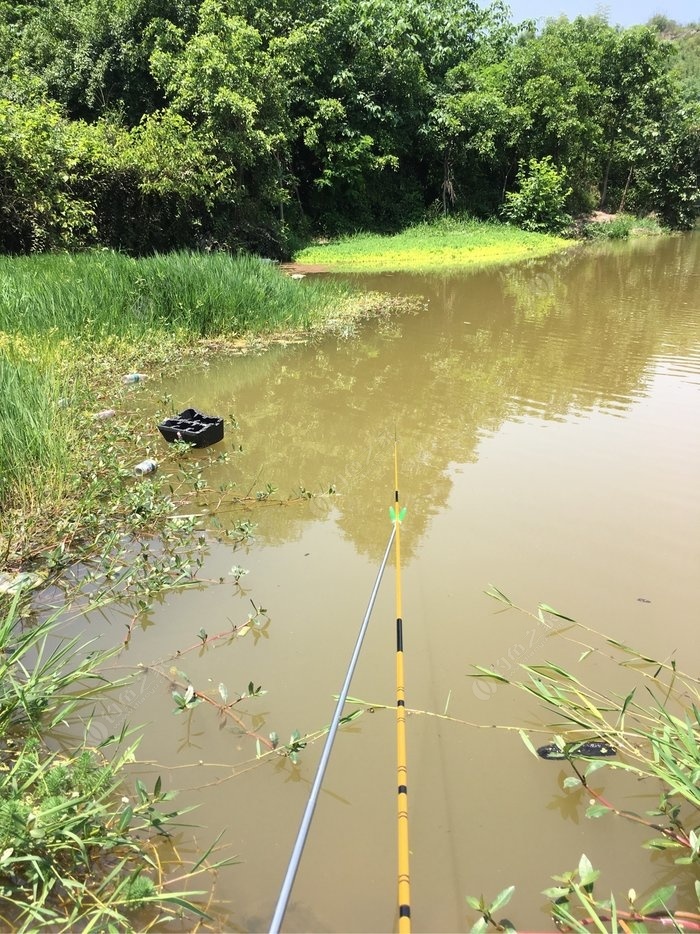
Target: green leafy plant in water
(574,907)
(294,747)
(185,701)
(654,727)
(487,911)
(269,490)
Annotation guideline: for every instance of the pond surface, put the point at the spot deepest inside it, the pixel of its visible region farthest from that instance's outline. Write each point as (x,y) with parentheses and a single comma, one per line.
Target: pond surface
(548,425)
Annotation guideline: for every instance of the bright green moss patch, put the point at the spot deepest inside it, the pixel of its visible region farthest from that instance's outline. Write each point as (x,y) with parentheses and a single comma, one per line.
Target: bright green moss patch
(443,244)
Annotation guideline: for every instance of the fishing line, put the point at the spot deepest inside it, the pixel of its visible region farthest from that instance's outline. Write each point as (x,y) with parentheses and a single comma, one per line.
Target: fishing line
(325,755)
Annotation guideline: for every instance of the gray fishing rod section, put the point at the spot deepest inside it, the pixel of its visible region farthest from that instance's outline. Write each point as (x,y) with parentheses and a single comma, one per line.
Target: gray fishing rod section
(286,889)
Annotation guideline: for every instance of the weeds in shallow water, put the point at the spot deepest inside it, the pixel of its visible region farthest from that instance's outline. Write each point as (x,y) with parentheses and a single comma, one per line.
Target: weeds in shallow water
(655,729)
(73,854)
(575,907)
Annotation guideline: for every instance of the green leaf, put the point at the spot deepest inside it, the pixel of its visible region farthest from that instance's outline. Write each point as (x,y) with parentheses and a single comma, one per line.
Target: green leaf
(223,692)
(596,810)
(587,874)
(348,718)
(658,899)
(487,673)
(402,514)
(188,906)
(526,739)
(497,595)
(556,892)
(661,843)
(549,609)
(474,902)
(125,819)
(594,766)
(501,899)
(572,782)
(479,926)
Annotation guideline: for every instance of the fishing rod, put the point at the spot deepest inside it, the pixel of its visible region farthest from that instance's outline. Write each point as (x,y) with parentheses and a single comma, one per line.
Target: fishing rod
(325,755)
(404,884)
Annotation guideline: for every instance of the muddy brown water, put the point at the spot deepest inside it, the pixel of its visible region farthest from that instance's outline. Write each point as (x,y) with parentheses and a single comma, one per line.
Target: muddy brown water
(548,420)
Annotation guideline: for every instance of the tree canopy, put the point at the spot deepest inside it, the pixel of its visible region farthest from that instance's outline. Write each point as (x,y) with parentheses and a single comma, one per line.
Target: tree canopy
(153,124)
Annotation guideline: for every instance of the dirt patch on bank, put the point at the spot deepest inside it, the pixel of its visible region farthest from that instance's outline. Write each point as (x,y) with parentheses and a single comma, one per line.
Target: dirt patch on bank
(302,269)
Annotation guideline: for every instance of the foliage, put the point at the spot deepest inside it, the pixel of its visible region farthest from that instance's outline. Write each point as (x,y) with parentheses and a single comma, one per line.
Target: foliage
(72,846)
(655,729)
(575,907)
(447,242)
(621,227)
(159,124)
(538,205)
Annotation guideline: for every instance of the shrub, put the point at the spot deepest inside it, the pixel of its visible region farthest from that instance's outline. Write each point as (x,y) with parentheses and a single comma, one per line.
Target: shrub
(538,204)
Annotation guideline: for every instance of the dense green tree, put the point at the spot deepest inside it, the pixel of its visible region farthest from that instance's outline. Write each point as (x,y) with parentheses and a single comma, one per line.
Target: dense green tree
(93,56)
(146,124)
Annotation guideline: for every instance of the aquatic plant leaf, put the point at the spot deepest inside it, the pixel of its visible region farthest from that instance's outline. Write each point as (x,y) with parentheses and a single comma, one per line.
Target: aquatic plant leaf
(348,718)
(555,892)
(498,595)
(596,810)
(594,766)
(474,902)
(502,898)
(488,673)
(549,609)
(223,692)
(661,843)
(587,873)
(528,743)
(572,782)
(658,899)
(125,819)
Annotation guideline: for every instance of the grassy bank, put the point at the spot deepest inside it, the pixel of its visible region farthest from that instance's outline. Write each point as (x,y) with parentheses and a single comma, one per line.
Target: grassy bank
(445,244)
(72,326)
(188,295)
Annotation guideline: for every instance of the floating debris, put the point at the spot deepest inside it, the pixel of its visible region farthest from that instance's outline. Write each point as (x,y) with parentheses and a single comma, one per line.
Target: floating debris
(145,467)
(588,749)
(193,427)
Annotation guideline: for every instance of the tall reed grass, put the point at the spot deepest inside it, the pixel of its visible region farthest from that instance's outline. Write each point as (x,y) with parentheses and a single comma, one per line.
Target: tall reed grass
(36,431)
(100,294)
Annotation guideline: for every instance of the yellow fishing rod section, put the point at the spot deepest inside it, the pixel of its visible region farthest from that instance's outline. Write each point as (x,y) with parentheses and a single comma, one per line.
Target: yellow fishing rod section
(404,881)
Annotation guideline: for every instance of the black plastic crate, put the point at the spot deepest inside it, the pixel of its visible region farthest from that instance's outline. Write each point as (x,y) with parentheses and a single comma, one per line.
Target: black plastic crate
(193,427)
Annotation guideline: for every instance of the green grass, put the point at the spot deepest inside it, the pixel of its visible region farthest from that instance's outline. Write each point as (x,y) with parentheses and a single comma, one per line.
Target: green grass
(622,227)
(96,295)
(445,244)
